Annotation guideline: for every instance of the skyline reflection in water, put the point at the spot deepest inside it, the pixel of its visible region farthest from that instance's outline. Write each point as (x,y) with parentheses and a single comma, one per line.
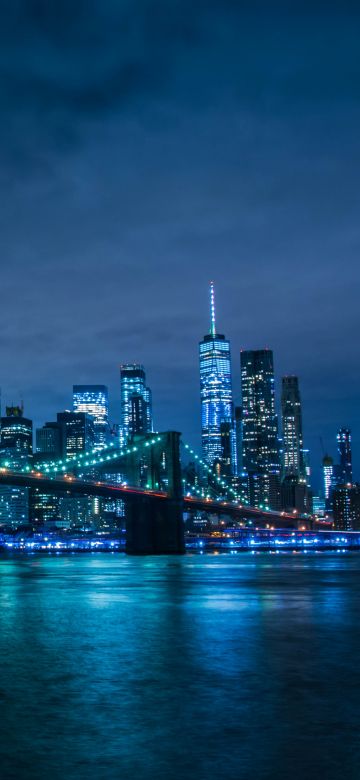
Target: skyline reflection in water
(183,667)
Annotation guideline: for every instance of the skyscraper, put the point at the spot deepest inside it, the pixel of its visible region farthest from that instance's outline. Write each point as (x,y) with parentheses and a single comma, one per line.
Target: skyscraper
(16,446)
(346,507)
(93,400)
(48,441)
(136,416)
(77,432)
(293,446)
(260,427)
(215,391)
(328,472)
(16,436)
(345,460)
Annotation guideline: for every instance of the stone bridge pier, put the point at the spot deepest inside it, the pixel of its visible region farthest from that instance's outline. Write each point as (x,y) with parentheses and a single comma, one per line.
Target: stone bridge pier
(154,525)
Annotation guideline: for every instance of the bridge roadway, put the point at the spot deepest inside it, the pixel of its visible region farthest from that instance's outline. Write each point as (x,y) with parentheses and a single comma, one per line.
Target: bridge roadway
(134,495)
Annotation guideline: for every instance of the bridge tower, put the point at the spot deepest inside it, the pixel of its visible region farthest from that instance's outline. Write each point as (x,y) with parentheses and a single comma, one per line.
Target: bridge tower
(155,526)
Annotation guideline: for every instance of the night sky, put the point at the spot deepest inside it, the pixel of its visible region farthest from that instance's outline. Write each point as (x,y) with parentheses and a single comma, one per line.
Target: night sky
(148,147)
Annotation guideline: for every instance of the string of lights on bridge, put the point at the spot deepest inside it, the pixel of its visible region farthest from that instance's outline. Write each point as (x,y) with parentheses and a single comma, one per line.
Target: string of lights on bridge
(221,482)
(107,454)
(84,459)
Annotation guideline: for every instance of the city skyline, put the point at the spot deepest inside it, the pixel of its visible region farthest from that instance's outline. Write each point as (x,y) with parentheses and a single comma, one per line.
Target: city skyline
(136,190)
(115,414)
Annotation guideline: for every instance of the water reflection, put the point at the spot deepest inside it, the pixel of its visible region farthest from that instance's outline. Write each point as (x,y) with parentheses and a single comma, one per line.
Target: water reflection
(198,667)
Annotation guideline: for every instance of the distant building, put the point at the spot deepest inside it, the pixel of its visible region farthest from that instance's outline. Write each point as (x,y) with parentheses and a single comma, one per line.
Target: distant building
(43,507)
(136,415)
(319,508)
(293,445)
(346,507)
(77,432)
(238,438)
(328,476)
(16,437)
(48,441)
(216,394)
(295,495)
(260,427)
(93,400)
(14,506)
(345,459)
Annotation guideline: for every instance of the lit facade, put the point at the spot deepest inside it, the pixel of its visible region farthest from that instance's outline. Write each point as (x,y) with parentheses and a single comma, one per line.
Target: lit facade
(345,458)
(260,427)
(94,401)
(293,446)
(77,432)
(16,437)
(14,506)
(328,475)
(346,507)
(136,414)
(215,392)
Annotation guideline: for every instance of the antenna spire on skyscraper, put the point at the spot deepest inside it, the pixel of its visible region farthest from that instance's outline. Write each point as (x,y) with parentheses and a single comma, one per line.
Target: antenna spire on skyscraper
(212,310)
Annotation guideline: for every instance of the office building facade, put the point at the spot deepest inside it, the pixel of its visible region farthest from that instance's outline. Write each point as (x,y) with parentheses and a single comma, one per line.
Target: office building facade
(77,432)
(344,468)
(94,401)
(216,394)
(260,427)
(292,442)
(136,414)
(16,437)
(346,507)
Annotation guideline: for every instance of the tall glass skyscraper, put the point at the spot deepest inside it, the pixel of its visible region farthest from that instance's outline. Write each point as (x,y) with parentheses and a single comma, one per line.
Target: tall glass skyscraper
(345,460)
(93,400)
(293,446)
(136,402)
(260,427)
(216,393)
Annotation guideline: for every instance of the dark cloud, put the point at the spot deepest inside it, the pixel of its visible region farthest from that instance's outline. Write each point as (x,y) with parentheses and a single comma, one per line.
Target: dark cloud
(147,147)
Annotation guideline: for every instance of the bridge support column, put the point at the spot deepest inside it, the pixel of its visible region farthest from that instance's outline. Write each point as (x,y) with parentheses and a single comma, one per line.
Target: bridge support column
(154,527)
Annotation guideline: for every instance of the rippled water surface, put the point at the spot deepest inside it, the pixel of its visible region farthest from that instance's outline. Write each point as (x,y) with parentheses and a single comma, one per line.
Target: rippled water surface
(241,666)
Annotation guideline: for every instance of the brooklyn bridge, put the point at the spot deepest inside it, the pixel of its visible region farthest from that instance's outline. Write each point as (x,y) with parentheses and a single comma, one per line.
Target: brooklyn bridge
(148,477)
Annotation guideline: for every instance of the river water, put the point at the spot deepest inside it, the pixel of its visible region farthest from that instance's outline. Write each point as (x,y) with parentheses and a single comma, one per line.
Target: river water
(202,666)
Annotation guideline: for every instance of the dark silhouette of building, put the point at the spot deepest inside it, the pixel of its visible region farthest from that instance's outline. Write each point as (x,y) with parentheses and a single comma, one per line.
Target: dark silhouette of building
(48,441)
(295,495)
(346,507)
(344,469)
(77,432)
(238,419)
(260,427)
(293,445)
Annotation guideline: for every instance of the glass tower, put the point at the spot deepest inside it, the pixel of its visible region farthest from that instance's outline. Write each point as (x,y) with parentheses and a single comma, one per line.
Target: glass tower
(293,447)
(345,460)
(260,427)
(215,392)
(136,414)
(93,400)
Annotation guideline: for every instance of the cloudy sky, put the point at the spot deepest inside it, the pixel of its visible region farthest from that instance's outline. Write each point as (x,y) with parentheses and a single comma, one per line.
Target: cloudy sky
(149,147)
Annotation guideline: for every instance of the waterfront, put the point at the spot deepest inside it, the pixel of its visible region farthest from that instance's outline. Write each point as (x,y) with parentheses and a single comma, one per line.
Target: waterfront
(202,666)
